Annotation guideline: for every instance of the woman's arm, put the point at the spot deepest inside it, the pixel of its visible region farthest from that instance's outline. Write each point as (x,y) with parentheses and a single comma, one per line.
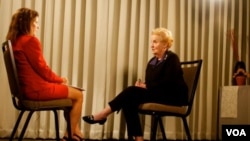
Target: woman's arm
(32,50)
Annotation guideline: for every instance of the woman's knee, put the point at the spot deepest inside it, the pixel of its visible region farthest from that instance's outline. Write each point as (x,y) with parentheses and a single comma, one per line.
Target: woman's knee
(134,90)
(75,94)
(130,89)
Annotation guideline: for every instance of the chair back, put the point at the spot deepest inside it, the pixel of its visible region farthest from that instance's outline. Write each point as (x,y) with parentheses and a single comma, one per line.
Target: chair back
(12,73)
(191,73)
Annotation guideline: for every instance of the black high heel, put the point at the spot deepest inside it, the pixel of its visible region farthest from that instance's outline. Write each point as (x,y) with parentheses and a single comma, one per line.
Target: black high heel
(90,119)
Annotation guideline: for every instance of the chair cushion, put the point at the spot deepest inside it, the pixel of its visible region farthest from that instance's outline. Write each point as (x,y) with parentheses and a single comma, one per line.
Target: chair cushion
(34,105)
(163,108)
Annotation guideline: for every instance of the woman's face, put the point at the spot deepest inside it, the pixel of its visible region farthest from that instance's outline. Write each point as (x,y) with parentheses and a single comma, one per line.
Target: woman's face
(158,47)
(34,26)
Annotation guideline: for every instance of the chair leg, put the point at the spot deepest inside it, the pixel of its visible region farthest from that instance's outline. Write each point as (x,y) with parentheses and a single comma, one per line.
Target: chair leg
(16,125)
(130,138)
(56,125)
(162,129)
(25,125)
(67,118)
(186,128)
(154,122)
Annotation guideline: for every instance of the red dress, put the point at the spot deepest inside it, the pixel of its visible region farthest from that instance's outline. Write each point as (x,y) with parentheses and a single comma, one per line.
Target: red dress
(37,80)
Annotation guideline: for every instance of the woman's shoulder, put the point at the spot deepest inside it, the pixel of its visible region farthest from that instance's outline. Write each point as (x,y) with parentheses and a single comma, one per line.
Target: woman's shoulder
(27,38)
(25,41)
(171,55)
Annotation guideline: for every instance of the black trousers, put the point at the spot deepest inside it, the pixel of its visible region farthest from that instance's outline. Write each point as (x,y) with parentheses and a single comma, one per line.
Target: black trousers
(129,100)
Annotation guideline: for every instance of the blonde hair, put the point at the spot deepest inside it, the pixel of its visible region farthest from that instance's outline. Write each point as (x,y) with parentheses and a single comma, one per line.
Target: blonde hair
(165,34)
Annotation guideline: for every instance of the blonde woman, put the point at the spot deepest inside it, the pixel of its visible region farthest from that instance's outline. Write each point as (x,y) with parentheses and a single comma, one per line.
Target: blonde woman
(163,84)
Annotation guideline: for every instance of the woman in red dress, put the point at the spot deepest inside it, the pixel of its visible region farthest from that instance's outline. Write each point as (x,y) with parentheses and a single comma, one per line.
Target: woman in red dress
(37,80)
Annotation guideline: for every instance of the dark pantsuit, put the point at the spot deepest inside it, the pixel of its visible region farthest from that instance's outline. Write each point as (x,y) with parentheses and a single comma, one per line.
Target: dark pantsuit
(165,85)
(129,100)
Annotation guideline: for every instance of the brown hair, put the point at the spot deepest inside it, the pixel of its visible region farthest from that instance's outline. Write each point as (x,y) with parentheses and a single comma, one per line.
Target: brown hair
(20,23)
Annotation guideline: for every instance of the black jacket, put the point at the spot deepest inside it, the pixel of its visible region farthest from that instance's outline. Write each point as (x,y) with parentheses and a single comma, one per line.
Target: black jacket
(165,82)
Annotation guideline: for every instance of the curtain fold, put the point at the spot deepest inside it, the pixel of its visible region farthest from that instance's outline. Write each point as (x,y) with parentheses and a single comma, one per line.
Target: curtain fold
(104,46)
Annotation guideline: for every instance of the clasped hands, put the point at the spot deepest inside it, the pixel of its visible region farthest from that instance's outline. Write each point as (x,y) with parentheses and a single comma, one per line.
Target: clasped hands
(141,84)
(65,80)
(241,71)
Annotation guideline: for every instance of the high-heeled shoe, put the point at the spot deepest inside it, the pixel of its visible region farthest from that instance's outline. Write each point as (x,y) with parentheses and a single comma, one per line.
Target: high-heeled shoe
(79,138)
(90,119)
(65,138)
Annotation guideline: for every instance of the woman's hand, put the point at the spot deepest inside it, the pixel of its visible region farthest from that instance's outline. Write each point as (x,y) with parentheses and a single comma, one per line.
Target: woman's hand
(65,81)
(139,83)
(240,71)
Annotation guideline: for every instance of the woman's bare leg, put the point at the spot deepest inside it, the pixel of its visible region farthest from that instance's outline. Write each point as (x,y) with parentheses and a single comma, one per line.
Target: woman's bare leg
(139,138)
(75,113)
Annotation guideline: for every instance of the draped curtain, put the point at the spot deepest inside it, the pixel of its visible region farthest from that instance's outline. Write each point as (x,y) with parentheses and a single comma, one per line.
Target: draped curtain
(104,46)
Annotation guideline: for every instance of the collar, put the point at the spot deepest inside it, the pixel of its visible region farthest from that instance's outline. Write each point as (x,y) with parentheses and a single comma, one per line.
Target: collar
(155,60)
